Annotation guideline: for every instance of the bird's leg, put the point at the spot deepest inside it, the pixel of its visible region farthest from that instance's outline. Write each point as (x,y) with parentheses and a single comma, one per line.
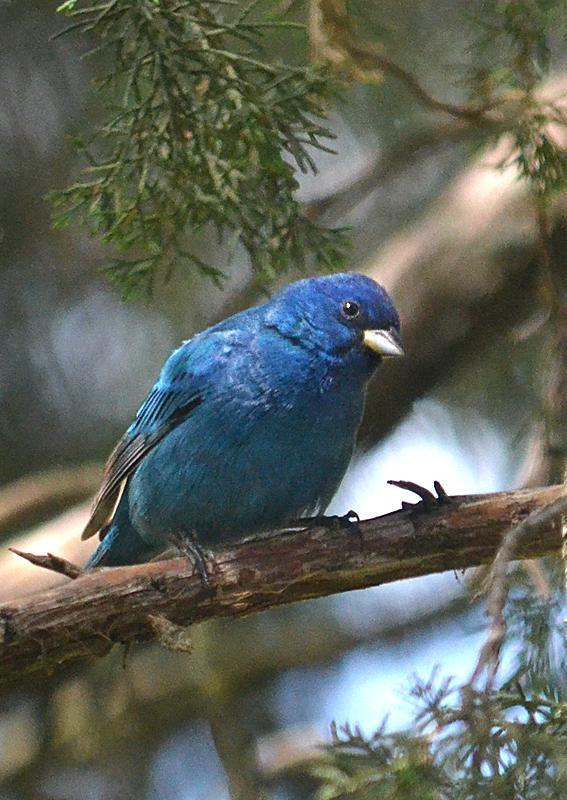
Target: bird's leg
(428,500)
(189,546)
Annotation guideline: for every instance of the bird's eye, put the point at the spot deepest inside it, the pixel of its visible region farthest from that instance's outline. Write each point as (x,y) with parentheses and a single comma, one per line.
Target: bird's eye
(350,309)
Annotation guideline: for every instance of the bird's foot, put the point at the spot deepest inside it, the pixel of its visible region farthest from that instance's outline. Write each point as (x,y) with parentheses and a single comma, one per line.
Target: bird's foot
(189,546)
(428,500)
(334,522)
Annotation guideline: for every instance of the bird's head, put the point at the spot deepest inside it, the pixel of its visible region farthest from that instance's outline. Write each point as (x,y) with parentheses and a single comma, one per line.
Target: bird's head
(346,315)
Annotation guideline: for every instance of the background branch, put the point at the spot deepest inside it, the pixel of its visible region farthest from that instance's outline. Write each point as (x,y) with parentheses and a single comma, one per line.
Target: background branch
(462,276)
(106,607)
(26,500)
(498,586)
(334,39)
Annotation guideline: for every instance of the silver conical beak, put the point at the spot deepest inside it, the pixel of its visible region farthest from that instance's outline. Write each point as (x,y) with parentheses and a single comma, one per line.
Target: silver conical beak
(386,343)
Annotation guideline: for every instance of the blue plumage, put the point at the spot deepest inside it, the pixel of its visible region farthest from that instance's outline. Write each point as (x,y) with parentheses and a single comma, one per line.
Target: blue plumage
(251,423)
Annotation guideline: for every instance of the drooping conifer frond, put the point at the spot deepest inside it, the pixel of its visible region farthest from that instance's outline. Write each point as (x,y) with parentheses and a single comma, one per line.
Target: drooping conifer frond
(201,130)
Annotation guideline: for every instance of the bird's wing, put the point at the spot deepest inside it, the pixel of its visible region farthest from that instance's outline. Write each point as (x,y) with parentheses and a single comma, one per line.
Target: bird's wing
(166,406)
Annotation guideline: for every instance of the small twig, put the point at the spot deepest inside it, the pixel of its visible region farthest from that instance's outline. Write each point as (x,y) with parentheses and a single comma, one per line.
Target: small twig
(334,39)
(440,491)
(539,579)
(387,164)
(548,290)
(489,657)
(554,399)
(52,563)
(475,114)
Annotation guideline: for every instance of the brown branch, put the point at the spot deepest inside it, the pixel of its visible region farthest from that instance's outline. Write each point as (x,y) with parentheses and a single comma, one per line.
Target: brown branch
(479,115)
(90,614)
(387,164)
(58,535)
(234,743)
(333,39)
(56,564)
(462,277)
(552,426)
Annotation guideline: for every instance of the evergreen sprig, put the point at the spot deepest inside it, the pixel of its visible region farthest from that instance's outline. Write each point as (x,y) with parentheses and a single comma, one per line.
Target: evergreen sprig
(466,743)
(511,54)
(203,132)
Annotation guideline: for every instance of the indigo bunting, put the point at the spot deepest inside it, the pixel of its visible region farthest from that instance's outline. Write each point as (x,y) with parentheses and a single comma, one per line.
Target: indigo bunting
(251,424)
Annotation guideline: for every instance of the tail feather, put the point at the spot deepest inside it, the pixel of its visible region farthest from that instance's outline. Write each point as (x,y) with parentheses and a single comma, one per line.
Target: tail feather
(120,546)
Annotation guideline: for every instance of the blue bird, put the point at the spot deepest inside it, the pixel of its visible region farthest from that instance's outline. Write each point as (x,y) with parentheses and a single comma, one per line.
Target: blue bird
(251,424)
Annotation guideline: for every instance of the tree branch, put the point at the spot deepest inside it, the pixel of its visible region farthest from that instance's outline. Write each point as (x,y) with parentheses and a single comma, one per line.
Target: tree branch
(387,164)
(90,614)
(456,294)
(334,39)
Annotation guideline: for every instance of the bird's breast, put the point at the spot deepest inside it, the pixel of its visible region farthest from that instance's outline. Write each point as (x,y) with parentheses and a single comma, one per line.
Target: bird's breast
(265,445)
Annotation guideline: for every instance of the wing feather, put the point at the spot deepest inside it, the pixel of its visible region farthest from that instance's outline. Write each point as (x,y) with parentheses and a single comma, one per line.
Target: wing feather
(163,410)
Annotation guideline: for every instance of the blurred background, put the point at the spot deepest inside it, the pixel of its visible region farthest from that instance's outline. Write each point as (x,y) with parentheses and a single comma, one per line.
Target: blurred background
(454,238)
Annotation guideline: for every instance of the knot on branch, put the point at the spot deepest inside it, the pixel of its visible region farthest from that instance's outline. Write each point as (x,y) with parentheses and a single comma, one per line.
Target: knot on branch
(169,634)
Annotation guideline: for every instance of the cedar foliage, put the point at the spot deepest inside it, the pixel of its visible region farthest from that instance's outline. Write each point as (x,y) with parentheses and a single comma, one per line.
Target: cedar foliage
(200,131)
(472,742)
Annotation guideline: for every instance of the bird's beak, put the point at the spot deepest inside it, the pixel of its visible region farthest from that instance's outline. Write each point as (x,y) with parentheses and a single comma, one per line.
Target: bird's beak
(385,343)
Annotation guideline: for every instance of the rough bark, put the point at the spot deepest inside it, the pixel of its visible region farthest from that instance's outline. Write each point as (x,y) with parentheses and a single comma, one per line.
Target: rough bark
(128,604)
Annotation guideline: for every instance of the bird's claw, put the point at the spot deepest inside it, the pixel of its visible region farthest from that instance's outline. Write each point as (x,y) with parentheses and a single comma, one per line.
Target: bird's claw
(189,546)
(428,500)
(351,517)
(334,521)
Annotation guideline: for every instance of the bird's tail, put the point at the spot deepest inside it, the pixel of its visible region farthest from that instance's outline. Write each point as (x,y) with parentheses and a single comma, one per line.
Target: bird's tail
(122,545)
